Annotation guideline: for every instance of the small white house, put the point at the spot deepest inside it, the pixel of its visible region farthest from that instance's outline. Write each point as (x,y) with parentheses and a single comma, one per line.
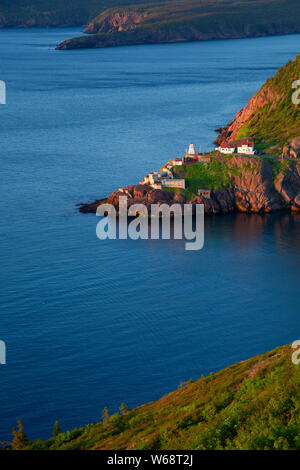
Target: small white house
(176,183)
(226,148)
(177,161)
(246,148)
(204,193)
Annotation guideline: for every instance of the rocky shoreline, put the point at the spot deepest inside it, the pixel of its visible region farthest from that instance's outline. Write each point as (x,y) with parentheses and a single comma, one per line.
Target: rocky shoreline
(191,20)
(143,36)
(227,179)
(255,188)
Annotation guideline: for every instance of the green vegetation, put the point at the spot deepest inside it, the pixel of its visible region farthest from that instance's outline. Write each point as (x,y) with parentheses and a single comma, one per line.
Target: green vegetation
(56,429)
(216,174)
(280,166)
(212,175)
(189,195)
(221,172)
(254,404)
(26,13)
(190,20)
(20,439)
(278,120)
(105,415)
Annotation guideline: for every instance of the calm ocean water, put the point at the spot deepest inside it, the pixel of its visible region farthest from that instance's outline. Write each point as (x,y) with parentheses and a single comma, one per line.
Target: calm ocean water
(90,324)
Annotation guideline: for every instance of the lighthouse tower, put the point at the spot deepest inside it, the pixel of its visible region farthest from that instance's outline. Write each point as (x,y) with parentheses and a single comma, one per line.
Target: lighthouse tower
(191,149)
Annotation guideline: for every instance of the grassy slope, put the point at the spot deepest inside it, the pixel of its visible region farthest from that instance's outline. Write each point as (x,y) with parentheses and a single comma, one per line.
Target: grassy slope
(199,20)
(20,13)
(254,404)
(220,173)
(273,124)
(213,175)
(208,11)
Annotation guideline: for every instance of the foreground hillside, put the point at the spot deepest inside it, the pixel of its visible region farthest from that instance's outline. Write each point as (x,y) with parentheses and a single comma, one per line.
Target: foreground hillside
(189,20)
(270,118)
(254,404)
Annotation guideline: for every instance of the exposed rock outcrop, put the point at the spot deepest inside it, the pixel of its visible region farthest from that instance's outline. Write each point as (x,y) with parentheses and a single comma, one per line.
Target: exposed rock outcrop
(245,184)
(293,149)
(255,188)
(271,118)
(296,203)
(122,20)
(261,98)
(188,20)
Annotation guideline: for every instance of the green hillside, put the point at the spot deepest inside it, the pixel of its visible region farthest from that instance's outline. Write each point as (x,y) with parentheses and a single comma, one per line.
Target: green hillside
(27,13)
(190,20)
(270,118)
(254,404)
(278,120)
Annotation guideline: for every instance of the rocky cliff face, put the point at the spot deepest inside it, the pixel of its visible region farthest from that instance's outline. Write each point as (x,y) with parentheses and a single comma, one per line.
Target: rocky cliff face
(258,186)
(293,149)
(252,184)
(122,20)
(271,117)
(262,98)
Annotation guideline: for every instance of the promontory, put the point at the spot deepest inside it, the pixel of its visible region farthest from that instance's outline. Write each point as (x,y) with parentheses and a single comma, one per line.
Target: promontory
(254,168)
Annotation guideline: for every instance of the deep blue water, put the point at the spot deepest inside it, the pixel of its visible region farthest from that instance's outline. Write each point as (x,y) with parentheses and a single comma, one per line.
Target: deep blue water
(90,323)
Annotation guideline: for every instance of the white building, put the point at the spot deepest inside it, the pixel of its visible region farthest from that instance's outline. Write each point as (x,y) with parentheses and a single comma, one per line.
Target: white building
(151,178)
(246,147)
(176,183)
(156,179)
(177,161)
(204,193)
(226,148)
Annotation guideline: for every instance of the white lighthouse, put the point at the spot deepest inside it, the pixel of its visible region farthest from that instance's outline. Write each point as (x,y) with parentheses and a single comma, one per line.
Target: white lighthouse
(191,149)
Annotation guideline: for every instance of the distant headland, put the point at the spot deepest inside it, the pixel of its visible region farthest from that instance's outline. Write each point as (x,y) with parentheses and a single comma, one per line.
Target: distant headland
(189,20)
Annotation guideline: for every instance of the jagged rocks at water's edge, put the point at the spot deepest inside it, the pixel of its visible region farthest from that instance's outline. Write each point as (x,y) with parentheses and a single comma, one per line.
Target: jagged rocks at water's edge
(255,188)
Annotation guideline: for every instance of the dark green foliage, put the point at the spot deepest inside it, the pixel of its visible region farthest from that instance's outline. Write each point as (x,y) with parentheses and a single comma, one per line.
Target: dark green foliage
(193,20)
(56,429)
(22,13)
(105,415)
(273,125)
(20,438)
(254,404)
(123,409)
(39,444)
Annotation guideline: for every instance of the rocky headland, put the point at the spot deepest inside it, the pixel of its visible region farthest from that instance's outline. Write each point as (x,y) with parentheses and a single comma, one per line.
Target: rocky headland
(256,186)
(189,20)
(266,182)
(271,117)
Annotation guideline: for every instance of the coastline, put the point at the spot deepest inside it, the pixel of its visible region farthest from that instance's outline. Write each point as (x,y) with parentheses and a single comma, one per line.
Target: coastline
(236,299)
(255,167)
(254,185)
(130,38)
(191,20)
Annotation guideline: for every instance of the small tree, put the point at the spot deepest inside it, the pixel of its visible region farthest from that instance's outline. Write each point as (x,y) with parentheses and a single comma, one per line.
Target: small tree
(56,429)
(123,409)
(20,438)
(105,415)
